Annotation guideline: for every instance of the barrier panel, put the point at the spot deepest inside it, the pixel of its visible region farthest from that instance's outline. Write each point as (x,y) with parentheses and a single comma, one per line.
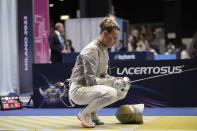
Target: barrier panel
(115,56)
(165,83)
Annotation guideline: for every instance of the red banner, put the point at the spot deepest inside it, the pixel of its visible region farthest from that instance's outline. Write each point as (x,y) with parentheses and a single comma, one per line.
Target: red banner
(41,31)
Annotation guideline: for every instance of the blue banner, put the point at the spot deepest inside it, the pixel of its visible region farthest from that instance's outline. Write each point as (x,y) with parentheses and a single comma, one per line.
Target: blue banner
(25,40)
(115,56)
(166,83)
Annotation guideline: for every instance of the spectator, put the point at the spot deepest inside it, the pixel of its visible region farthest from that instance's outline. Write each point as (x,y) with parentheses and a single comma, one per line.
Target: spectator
(142,44)
(184,54)
(129,45)
(158,43)
(194,52)
(69,46)
(122,46)
(133,39)
(56,41)
(170,49)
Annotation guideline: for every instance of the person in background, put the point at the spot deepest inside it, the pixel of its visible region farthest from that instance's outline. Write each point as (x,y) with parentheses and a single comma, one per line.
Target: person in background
(69,46)
(142,44)
(56,41)
(184,54)
(122,46)
(170,49)
(194,52)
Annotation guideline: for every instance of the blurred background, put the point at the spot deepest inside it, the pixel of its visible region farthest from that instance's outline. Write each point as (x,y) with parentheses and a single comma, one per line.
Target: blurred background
(154,33)
(162,26)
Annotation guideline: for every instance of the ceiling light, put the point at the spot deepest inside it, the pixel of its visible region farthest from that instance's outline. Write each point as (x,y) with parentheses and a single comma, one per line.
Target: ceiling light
(64,17)
(51,5)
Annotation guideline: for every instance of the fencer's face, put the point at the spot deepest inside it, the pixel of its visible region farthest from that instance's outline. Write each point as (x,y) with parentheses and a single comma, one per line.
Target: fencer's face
(111,38)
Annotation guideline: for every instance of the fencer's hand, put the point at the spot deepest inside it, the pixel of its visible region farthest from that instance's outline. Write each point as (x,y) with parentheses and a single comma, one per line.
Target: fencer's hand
(122,94)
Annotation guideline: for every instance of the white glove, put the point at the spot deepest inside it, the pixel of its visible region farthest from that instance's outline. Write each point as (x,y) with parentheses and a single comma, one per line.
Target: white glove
(122,86)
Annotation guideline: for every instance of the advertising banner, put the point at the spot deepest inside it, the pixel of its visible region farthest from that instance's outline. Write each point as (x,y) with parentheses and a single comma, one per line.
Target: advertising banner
(166,83)
(115,56)
(25,44)
(41,31)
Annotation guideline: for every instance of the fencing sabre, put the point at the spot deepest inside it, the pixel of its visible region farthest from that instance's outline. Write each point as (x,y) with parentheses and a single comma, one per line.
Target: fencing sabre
(147,78)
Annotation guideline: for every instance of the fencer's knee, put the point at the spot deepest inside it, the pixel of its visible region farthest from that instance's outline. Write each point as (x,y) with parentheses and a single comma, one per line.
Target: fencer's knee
(110,95)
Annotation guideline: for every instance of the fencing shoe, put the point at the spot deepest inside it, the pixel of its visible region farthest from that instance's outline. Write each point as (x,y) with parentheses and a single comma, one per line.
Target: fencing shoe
(95,119)
(85,120)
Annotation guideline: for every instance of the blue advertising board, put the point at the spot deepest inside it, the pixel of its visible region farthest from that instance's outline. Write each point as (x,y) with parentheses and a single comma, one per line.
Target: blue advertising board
(115,56)
(25,44)
(166,83)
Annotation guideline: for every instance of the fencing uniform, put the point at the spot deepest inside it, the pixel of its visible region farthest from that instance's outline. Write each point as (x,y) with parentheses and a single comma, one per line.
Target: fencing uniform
(89,71)
(90,83)
(89,77)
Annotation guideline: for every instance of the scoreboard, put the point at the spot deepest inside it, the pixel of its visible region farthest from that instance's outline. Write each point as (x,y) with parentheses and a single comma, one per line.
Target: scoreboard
(10,102)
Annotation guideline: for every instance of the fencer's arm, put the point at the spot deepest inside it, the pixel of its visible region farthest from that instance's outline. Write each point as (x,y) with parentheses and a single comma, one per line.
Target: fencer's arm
(105,81)
(106,74)
(90,63)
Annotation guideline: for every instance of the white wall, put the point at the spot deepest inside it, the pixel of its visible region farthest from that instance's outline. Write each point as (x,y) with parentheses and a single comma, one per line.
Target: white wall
(82,31)
(9,82)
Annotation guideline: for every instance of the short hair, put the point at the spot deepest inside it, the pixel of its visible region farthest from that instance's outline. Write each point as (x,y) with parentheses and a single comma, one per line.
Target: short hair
(109,24)
(57,25)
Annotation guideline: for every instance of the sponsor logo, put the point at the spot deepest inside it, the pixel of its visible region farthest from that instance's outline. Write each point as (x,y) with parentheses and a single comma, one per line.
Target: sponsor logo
(150,70)
(26,42)
(124,57)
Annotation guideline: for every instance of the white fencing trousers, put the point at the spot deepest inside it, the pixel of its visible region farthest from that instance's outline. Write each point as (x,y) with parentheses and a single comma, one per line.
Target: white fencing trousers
(95,97)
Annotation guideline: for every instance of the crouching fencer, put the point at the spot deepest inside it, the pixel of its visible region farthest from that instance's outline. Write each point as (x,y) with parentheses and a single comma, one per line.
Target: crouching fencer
(89,83)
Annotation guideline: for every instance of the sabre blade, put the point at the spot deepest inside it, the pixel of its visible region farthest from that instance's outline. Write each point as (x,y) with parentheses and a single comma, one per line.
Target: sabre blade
(161,75)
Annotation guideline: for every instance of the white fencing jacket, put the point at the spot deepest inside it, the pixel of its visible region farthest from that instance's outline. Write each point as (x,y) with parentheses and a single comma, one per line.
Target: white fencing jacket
(91,66)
